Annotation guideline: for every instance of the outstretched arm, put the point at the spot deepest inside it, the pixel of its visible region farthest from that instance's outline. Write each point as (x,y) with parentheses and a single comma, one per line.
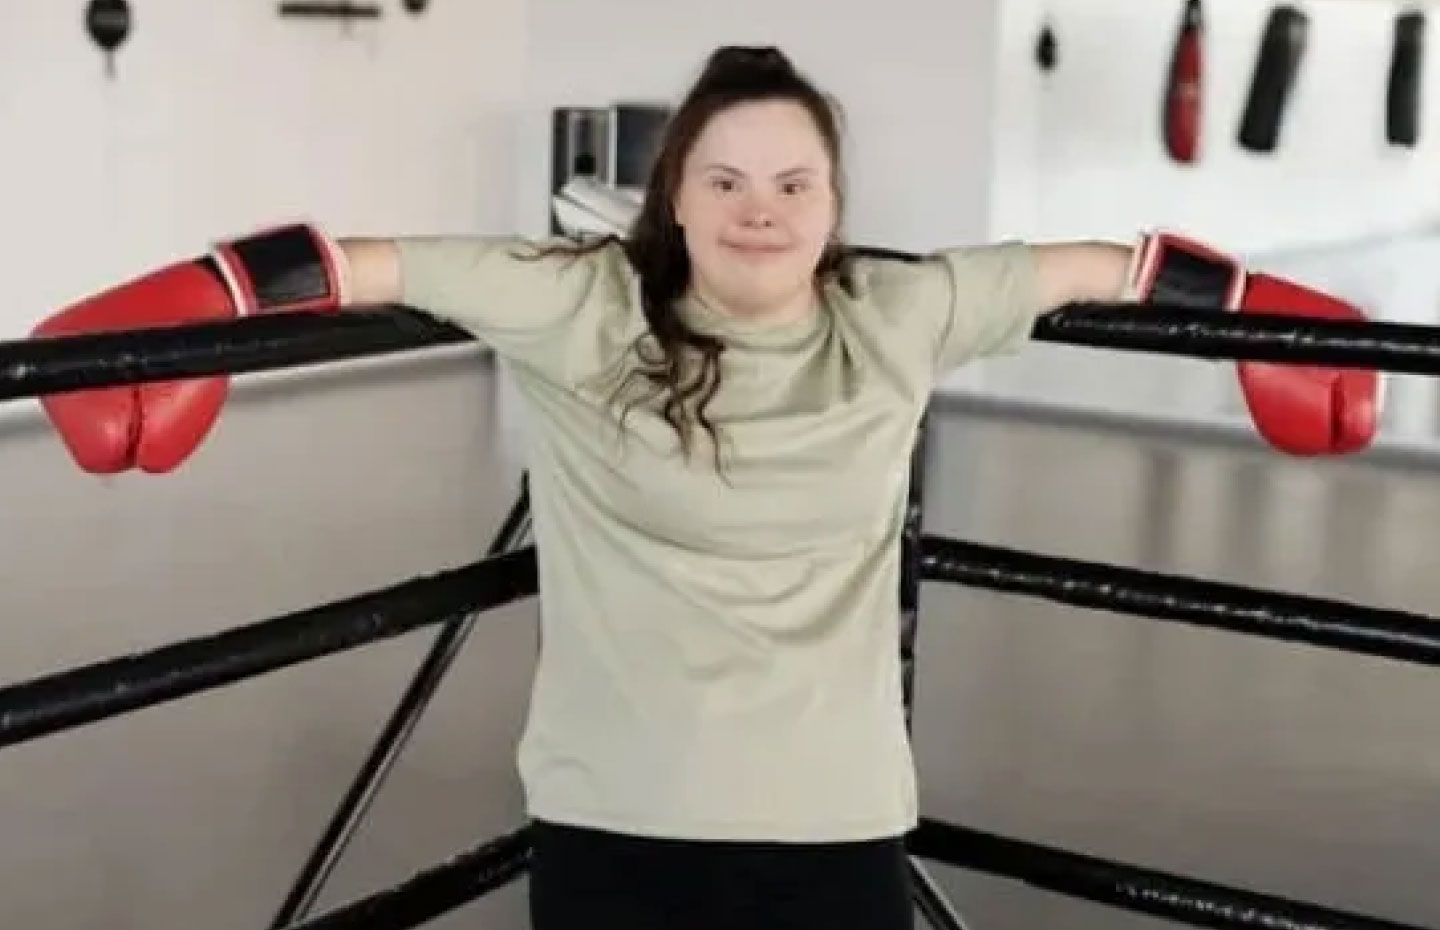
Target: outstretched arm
(1299,409)
(502,289)
(374,272)
(1073,272)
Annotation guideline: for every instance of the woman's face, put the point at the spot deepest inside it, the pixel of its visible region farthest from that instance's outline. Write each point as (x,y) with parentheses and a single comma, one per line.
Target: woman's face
(757,206)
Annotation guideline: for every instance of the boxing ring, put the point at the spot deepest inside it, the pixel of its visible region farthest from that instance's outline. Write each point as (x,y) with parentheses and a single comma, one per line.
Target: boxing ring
(455,600)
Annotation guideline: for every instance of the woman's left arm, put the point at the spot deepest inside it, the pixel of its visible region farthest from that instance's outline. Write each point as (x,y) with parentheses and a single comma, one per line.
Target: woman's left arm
(1302,410)
(1072,272)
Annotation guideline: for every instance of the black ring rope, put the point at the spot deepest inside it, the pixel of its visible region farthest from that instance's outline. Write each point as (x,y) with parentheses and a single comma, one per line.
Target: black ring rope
(395,734)
(465,878)
(435,891)
(94,692)
(33,367)
(1129,887)
(1402,348)
(1392,634)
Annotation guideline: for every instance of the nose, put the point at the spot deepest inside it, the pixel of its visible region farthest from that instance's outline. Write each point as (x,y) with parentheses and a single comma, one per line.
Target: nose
(756,213)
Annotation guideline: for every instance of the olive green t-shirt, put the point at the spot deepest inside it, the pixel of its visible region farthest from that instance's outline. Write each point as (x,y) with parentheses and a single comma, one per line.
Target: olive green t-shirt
(720,649)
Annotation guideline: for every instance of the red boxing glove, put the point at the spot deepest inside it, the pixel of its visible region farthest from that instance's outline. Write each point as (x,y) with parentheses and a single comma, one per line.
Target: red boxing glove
(157,426)
(1298,409)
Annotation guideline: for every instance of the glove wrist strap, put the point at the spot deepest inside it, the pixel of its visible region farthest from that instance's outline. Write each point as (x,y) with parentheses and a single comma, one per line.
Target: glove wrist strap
(285,268)
(1171,269)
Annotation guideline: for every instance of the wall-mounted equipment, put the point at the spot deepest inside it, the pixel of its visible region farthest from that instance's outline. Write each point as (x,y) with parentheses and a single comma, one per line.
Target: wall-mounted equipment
(616,146)
(343,10)
(585,207)
(1402,90)
(1181,118)
(579,145)
(1047,49)
(108,23)
(636,132)
(1277,66)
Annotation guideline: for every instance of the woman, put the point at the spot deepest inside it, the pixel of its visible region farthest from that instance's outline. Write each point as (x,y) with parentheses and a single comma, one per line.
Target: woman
(716,736)
(723,407)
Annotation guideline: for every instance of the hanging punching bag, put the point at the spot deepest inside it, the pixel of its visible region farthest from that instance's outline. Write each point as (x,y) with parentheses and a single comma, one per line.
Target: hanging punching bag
(108,23)
(1402,92)
(1046,53)
(1181,110)
(1281,49)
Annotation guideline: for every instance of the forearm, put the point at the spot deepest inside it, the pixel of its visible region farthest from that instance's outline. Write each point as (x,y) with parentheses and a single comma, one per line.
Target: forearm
(373,272)
(1073,272)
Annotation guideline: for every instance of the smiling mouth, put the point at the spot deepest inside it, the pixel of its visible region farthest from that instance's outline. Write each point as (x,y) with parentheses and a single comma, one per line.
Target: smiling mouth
(756,249)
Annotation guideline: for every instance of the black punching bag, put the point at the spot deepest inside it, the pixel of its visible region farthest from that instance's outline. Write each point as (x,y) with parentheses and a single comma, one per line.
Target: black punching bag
(1282,47)
(108,23)
(1402,92)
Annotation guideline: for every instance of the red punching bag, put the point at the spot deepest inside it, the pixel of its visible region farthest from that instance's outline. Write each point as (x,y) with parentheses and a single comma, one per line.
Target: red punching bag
(1180,117)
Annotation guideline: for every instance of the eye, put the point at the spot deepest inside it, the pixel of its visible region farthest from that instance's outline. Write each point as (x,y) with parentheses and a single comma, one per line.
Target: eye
(795,187)
(723,184)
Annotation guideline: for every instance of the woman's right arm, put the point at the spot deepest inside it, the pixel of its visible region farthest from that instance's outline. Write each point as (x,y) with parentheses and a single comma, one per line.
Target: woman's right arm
(502,289)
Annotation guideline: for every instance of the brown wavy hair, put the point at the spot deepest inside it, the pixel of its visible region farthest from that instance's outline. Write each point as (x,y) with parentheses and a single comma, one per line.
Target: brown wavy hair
(680,366)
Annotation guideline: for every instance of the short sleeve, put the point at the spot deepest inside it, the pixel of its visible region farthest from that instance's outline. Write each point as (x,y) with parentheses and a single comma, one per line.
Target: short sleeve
(515,295)
(992,301)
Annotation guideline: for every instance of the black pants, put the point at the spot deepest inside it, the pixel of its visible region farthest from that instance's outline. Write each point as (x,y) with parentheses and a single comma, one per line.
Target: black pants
(592,880)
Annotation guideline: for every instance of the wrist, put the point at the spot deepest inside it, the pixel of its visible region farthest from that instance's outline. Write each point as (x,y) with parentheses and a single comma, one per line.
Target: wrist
(1170,269)
(294,267)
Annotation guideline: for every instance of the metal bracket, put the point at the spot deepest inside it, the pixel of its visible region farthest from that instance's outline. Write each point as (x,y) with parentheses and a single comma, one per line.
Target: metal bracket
(343,10)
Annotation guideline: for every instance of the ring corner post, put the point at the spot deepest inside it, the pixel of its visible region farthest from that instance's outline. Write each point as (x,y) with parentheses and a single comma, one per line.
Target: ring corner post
(926,895)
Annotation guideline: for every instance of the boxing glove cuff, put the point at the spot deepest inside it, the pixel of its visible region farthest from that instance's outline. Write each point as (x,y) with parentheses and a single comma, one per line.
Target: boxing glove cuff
(286,268)
(1171,269)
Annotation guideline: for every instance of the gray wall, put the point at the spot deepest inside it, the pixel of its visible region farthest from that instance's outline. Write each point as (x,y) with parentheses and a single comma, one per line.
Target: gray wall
(1283,768)
(312,489)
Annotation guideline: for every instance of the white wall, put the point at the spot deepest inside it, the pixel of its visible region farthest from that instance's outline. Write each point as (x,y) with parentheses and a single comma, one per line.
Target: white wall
(913,83)
(957,135)
(1077,153)
(224,116)
(1078,150)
